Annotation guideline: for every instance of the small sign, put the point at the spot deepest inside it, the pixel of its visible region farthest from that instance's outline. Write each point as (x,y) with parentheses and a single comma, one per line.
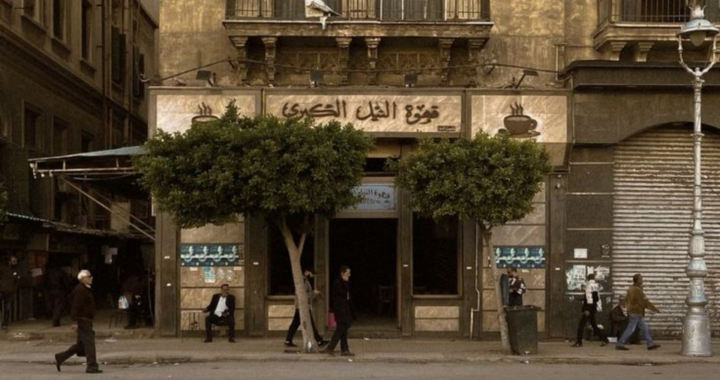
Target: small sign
(211,254)
(520,256)
(375,197)
(580,253)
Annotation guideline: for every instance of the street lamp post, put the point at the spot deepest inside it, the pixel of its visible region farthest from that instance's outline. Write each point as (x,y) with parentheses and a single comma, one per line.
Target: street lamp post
(696,326)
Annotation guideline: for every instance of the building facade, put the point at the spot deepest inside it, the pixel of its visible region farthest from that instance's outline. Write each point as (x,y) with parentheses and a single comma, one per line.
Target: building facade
(70,82)
(596,82)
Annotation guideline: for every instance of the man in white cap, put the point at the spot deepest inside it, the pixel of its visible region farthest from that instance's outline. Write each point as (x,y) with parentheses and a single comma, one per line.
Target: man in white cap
(82,314)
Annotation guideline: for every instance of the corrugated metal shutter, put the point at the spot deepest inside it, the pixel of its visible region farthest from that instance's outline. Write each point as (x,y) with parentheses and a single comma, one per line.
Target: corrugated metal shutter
(652,220)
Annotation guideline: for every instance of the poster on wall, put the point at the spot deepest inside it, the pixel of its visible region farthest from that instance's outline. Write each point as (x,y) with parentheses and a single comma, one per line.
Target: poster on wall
(211,255)
(576,276)
(519,256)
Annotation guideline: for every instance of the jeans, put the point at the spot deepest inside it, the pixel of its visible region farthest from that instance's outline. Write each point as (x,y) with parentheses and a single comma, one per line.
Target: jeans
(636,320)
(6,302)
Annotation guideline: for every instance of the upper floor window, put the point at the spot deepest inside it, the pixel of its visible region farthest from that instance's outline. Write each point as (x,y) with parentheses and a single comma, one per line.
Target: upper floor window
(60,137)
(87,23)
(31,128)
(59,17)
(392,10)
(653,11)
(34,9)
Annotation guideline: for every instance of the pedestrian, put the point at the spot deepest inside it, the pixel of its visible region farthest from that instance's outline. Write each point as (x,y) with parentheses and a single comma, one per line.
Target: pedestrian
(342,306)
(133,290)
(308,275)
(591,305)
(619,321)
(57,286)
(9,277)
(221,310)
(637,302)
(82,313)
(516,286)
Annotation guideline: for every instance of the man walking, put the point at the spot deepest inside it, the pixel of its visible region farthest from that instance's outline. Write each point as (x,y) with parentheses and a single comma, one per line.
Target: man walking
(9,275)
(295,324)
(221,309)
(637,302)
(591,305)
(82,313)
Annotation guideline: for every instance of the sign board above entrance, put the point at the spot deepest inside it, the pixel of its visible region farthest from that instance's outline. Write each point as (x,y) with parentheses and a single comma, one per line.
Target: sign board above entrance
(376,197)
(375,112)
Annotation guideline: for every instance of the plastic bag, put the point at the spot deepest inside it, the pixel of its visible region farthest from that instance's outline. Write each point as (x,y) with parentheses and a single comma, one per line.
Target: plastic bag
(123,303)
(331,320)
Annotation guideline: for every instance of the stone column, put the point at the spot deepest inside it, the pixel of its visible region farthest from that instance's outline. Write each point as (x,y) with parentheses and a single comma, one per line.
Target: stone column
(474,48)
(344,58)
(270,54)
(242,69)
(445,46)
(372,46)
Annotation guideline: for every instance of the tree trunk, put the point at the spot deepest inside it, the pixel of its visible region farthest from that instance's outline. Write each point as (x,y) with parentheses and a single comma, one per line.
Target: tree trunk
(501,315)
(295,252)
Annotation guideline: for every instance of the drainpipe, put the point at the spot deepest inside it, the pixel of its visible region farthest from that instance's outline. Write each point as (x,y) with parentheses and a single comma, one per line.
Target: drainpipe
(477,290)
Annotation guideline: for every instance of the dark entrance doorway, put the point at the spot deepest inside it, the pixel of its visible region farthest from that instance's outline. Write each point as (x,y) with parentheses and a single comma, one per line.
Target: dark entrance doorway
(369,247)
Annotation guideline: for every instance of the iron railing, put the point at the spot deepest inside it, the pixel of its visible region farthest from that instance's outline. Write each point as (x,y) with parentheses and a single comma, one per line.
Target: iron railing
(384,10)
(649,11)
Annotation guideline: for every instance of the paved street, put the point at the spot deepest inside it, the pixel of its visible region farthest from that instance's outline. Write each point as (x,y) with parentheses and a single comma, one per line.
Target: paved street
(355,370)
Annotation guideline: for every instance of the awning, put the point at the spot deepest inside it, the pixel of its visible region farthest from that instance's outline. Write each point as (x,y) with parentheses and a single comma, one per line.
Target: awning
(69,228)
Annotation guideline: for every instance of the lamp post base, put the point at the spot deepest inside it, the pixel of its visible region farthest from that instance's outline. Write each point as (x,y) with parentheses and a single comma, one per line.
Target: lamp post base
(696,336)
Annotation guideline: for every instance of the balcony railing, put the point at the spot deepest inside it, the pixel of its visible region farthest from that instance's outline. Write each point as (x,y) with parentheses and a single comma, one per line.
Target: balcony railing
(647,11)
(383,10)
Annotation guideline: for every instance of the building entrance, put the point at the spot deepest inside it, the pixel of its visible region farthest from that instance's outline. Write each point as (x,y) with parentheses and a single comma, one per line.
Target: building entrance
(369,248)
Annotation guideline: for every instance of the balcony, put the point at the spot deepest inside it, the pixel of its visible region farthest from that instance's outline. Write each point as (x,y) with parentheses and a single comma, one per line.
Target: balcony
(641,25)
(359,18)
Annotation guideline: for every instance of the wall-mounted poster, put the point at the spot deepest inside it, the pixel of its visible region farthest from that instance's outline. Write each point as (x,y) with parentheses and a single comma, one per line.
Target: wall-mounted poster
(206,255)
(520,256)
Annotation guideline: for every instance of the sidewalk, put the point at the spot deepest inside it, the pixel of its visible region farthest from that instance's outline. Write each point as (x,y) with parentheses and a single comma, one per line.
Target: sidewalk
(193,350)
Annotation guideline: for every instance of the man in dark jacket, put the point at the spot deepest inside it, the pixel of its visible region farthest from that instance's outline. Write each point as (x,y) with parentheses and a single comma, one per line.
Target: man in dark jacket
(637,302)
(9,275)
(295,324)
(344,313)
(516,287)
(221,309)
(82,313)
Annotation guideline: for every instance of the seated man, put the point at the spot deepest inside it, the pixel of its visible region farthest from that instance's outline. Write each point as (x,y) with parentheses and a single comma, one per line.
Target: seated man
(619,321)
(221,309)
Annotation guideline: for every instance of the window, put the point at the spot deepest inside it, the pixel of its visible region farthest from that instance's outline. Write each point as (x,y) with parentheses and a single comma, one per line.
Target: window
(31,125)
(118,131)
(34,9)
(435,257)
(138,73)
(87,30)
(118,56)
(281,280)
(86,142)
(58,19)
(60,137)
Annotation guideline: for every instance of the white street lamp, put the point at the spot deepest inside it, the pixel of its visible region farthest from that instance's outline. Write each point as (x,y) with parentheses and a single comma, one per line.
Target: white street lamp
(696,327)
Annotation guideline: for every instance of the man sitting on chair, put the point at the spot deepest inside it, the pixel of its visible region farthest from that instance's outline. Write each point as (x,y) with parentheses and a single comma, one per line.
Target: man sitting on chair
(221,309)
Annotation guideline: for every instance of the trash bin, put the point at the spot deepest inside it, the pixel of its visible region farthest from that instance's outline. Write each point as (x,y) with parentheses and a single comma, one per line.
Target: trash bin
(522,329)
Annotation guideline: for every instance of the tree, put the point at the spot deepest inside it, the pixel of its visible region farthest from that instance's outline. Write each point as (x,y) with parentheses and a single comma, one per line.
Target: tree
(491,180)
(284,171)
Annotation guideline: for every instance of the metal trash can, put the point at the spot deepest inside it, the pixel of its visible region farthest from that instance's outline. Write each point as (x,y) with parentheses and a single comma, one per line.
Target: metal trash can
(522,329)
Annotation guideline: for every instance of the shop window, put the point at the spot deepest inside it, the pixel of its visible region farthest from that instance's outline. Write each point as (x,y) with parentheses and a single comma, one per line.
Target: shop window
(87,22)
(59,15)
(435,257)
(280,278)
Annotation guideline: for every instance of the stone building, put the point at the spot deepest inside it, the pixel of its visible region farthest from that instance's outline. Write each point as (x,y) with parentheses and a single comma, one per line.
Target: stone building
(596,82)
(70,83)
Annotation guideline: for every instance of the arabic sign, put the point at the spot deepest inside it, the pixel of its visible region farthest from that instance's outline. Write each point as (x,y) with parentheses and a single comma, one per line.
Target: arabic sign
(210,255)
(376,197)
(520,256)
(176,112)
(375,113)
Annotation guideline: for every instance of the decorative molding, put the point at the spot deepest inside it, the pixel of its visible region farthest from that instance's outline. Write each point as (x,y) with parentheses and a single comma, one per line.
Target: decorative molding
(270,55)
(372,46)
(241,47)
(641,50)
(445,46)
(344,58)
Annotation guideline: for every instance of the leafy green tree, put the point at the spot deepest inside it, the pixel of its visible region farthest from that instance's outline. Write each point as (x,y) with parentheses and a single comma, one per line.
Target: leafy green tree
(285,171)
(491,180)
(3,202)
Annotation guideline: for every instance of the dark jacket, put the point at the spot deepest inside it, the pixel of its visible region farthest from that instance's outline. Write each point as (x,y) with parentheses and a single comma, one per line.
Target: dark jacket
(341,302)
(618,320)
(83,304)
(637,301)
(8,278)
(230,302)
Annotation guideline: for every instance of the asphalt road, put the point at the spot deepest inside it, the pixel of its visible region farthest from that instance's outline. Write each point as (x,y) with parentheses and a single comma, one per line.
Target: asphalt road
(354,370)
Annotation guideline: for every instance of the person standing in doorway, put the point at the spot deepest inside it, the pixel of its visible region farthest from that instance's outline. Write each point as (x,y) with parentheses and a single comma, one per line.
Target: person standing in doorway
(516,286)
(9,276)
(637,302)
(344,313)
(591,305)
(82,313)
(308,275)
